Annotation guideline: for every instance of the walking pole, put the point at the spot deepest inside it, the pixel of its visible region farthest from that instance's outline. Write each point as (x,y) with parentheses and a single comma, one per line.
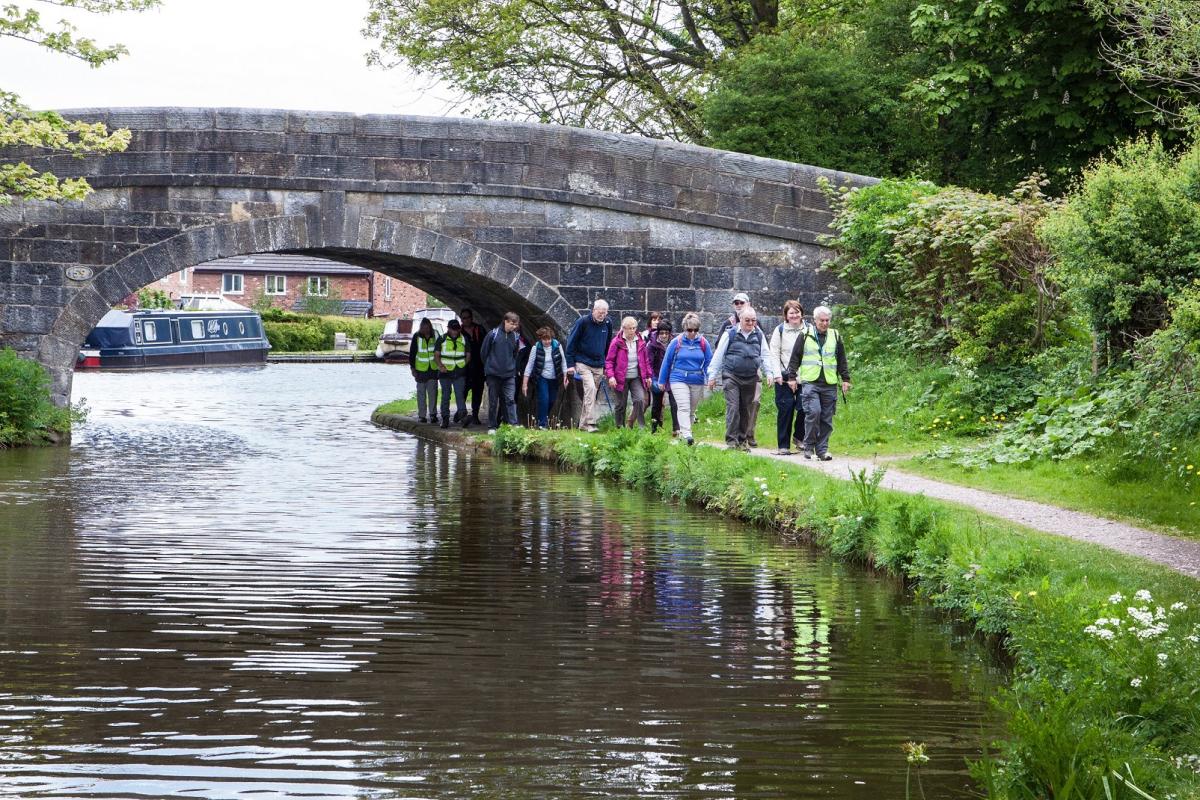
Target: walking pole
(607,399)
(845,399)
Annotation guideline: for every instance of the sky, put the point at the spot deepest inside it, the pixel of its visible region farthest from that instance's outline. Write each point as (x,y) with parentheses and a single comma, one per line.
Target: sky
(294,54)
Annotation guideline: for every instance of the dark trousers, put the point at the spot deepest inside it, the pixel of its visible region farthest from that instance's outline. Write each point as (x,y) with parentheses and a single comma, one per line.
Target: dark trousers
(546,392)
(820,404)
(656,410)
(789,426)
(475,389)
(502,389)
(739,403)
(453,382)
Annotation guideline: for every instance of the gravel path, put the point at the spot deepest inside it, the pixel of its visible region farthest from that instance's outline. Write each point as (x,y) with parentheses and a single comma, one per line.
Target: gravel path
(1181,555)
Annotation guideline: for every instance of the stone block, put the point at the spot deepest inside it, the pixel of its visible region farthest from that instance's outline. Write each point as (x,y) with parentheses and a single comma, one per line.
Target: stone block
(583,274)
(615,255)
(320,122)
(323,144)
(544,270)
(53,250)
(712,278)
(543,252)
(660,277)
(271,164)
(112,285)
(616,275)
(28,319)
(250,119)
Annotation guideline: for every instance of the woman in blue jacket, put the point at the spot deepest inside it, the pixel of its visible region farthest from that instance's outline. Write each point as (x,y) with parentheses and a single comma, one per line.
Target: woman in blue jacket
(684,367)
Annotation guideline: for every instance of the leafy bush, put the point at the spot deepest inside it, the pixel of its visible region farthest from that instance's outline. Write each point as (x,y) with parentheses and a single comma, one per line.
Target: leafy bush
(154,298)
(26,414)
(951,270)
(1128,240)
(289,332)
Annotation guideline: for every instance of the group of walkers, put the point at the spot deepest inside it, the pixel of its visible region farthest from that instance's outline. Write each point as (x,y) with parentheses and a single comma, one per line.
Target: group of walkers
(628,370)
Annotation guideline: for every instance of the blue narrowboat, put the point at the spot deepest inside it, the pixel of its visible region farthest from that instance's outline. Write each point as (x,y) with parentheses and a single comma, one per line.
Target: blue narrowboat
(157,338)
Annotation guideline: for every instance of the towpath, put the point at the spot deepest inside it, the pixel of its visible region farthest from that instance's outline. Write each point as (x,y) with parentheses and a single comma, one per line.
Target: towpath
(1182,555)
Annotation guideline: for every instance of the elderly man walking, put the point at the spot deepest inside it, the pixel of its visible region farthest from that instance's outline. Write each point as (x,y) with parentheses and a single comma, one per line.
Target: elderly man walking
(740,358)
(818,361)
(587,347)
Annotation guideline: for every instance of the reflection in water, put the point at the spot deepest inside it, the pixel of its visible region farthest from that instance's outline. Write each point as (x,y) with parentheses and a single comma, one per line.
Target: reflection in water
(231,586)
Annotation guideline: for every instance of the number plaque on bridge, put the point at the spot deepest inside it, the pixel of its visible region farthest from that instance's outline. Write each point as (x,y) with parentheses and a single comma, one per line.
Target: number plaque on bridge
(79,273)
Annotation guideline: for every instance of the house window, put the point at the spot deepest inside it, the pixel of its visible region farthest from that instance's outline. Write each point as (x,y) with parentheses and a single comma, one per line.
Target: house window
(231,283)
(318,285)
(183,275)
(387,288)
(276,284)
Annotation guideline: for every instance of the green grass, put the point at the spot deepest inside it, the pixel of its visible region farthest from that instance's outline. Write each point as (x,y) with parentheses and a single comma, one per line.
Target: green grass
(407,406)
(1109,485)
(1080,706)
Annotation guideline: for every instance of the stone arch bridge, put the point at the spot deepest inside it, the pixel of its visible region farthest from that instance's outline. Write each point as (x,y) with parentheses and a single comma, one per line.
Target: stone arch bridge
(499,216)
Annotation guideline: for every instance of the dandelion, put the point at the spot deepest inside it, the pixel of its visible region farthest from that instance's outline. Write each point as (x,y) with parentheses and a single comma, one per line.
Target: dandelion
(1136,682)
(1032,594)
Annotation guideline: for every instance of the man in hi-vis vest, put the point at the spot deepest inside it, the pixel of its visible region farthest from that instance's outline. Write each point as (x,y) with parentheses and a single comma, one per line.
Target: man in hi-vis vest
(818,361)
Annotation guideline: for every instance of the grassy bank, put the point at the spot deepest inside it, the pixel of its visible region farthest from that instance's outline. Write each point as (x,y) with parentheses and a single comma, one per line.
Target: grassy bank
(913,411)
(27,417)
(1104,646)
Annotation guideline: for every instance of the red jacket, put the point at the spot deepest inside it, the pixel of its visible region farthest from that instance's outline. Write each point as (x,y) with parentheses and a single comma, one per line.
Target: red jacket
(617,362)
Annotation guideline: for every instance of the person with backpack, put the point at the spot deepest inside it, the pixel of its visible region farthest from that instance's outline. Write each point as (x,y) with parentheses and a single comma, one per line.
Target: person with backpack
(474,375)
(547,366)
(587,347)
(741,300)
(818,362)
(421,352)
(499,352)
(685,363)
(657,348)
(627,367)
(452,354)
(740,358)
(789,427)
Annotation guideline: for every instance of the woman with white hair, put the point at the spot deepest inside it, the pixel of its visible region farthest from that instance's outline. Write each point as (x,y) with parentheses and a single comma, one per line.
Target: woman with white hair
(627,367)
(684,367)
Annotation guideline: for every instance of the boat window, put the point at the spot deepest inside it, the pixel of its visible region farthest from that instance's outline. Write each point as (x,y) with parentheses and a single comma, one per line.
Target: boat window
(224,328)
(197,329)
(241,329)
(151,331)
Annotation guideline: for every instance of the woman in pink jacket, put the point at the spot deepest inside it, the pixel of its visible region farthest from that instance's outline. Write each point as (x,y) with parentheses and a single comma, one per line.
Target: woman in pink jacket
(628,370)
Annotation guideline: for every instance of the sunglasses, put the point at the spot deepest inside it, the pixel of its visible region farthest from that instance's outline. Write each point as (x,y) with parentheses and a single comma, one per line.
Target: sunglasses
(739,302)
(692,330)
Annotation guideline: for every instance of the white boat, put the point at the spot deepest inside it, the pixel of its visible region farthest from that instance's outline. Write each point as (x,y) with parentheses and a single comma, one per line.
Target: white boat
(397,333)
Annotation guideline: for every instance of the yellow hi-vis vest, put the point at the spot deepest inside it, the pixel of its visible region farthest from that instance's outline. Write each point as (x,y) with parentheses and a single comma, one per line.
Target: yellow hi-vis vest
(424,361)
(454,353)
(818,362)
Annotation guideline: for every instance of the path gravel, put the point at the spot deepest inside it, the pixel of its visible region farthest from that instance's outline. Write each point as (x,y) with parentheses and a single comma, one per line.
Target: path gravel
(1181,555)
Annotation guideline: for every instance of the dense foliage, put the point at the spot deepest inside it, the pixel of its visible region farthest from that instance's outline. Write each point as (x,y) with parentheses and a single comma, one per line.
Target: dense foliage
(290,332)
(950,270)
(47,130)
(26,414)
(1128,240)
(1106,649)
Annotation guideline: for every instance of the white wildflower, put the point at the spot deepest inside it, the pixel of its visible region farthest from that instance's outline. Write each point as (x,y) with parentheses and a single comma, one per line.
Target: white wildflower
(1136,682)
(1141,615)
(1193,638)
(766,493)
(1162,659)
(1178,606)
(1160,613)
(1143,595)
(1116,598)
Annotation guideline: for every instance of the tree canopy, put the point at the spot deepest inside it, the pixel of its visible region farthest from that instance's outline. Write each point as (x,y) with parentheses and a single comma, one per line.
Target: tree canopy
(45,130)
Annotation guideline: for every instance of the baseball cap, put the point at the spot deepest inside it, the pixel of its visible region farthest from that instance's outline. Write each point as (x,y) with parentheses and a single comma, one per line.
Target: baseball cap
(745,298)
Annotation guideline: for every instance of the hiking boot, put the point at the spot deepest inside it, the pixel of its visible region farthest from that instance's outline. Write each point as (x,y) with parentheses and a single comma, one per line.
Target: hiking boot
(433,420)
(458,415)
(825,457)
(752,442)
(808,454)
(491,431)
(422,419)
(690,441)
(744,447)
(445,423)
(783,451)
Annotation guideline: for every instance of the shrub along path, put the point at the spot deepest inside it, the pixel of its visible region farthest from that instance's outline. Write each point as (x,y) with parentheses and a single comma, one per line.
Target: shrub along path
(1182,555)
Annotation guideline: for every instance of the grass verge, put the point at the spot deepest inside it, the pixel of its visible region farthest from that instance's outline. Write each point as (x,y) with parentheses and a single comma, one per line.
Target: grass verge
(1105,647)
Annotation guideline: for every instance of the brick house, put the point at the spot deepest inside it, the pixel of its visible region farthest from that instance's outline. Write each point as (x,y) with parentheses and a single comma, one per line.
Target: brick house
(288,280)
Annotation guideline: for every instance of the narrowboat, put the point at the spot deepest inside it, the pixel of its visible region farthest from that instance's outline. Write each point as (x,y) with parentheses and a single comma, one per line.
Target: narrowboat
(170,338)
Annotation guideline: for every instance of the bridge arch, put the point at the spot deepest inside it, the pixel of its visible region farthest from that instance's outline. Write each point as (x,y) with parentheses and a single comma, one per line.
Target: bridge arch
(534,218)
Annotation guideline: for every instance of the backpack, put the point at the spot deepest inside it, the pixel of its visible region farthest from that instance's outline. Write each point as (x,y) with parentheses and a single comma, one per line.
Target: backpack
(676,341)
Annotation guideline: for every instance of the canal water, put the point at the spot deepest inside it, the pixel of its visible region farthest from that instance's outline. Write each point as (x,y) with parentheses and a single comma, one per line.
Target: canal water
(231,585)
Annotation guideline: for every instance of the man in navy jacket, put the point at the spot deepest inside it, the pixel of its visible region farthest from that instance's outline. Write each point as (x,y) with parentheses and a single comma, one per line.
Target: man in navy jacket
(587,346)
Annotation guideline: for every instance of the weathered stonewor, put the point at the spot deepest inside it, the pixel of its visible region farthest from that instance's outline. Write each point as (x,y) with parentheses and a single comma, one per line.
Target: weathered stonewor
(500,216)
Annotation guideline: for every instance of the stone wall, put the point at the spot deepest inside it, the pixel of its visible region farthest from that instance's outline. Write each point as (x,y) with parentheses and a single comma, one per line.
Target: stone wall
(499,216)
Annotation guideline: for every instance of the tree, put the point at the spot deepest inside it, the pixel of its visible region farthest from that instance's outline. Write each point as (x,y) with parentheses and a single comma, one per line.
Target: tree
(634,66)
(1155,44)
(1019,87)
(46,130)
(832,100)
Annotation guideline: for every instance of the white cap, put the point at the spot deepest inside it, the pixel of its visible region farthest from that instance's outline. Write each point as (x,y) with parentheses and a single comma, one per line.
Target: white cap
(745,298)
